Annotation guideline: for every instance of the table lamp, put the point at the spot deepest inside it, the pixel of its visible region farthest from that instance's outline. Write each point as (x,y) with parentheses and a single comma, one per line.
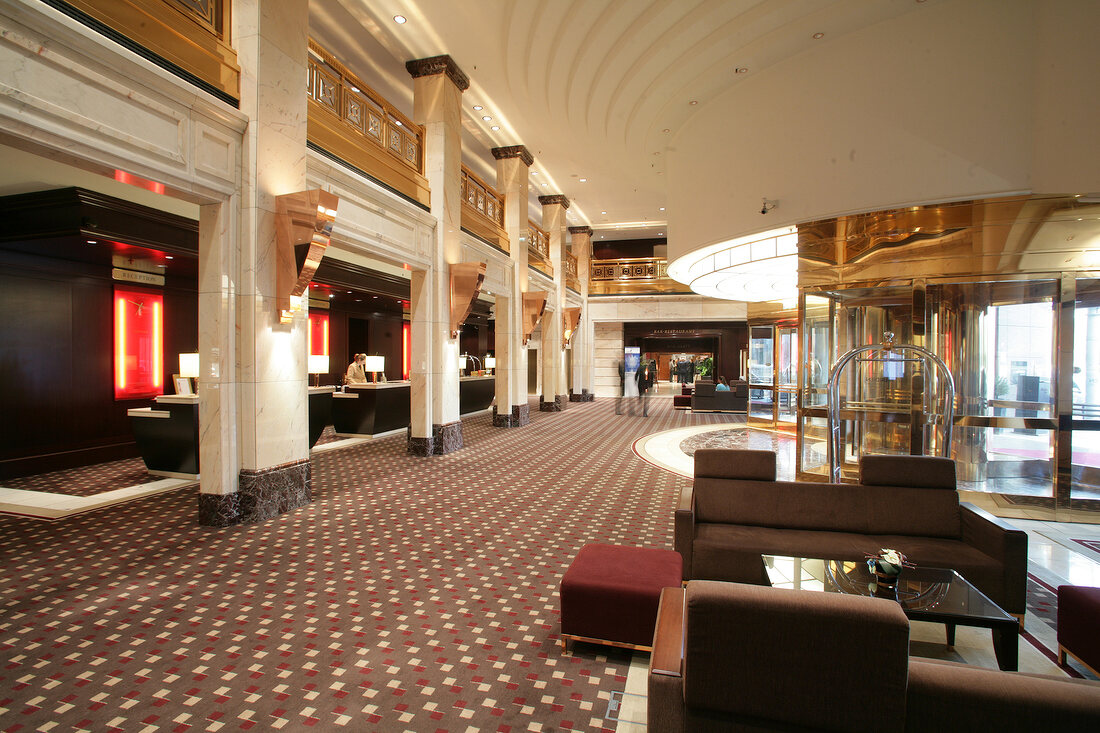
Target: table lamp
(317,365)
(373,365)
(189,367)
(490,363)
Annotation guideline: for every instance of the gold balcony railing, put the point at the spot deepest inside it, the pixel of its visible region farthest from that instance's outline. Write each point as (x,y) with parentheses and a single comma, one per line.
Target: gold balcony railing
(569,264)
(192,34)
(356,124)
(631,275)
(483,209)
(538,249)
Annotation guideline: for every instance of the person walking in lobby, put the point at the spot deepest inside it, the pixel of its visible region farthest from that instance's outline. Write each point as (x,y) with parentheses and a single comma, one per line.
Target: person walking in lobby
(645,379)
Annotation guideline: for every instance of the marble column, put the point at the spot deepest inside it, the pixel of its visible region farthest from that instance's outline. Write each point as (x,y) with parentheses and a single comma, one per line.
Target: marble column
(437,105)
(582,387)
(555,393)
(267,359)
(513,164)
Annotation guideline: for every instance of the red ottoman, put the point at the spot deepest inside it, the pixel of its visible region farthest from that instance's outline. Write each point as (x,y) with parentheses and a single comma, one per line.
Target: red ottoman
(1079,625)
(609,595)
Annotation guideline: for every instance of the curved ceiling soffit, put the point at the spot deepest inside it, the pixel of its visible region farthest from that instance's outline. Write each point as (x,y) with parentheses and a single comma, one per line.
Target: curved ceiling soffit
(595,30)
(657,74)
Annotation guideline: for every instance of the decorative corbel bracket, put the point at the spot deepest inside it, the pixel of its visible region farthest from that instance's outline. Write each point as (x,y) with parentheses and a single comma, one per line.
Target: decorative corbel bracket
(534,303)
(466,280)
(570,317)
(303,225)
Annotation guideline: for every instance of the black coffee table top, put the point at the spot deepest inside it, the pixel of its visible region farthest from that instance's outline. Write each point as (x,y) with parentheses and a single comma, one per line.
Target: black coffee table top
(925,594)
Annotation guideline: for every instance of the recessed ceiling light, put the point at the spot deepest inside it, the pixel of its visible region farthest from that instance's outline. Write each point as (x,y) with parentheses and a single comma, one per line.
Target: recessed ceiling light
(658,152)
(662,208)
(534,173)
(741,70)
(494,128)
(400,19)
(397,122)
(666,130)
(91,241)
(331,296)
(694,102)
(478,108)
(818,35)
(169,257)
(584,180)
(603,212)
(487,118)
(660,234)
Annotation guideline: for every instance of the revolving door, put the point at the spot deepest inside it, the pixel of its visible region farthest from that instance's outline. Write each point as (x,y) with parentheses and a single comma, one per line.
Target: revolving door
(1024,355)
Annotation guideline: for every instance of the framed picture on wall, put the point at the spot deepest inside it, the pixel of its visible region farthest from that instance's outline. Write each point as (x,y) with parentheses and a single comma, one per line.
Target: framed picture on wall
(183,384)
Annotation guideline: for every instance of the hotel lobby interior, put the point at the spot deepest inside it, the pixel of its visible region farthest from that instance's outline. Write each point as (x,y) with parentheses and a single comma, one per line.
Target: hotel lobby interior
(401,321)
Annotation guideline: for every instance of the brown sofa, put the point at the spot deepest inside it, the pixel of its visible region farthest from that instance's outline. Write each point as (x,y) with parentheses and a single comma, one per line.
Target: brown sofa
(735,657)
(707,399)
(736,510)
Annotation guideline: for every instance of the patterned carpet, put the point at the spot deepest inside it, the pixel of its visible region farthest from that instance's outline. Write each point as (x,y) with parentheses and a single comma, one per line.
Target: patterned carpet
(412,594)
(86,481)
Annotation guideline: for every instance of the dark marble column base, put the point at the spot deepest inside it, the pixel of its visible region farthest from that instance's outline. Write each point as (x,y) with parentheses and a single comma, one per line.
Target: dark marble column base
(219,510)
(501,421)
(588,396)
(261,494)
(447,438)
(521,415)
(418,446)
(545,406)
(269,492)
(561,401)
(574,397)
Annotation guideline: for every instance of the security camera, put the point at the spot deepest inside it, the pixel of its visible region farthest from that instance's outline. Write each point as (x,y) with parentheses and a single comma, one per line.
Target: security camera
(767,206)
(764,209)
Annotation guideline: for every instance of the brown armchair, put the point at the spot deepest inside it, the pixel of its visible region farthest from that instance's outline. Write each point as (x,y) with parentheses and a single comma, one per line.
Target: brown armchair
(734,657)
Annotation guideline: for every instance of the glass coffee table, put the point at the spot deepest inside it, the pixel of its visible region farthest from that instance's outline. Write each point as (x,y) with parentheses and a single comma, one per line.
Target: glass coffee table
(925,594)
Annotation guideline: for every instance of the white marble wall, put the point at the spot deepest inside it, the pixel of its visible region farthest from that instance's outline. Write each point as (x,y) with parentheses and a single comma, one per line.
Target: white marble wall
(607,352)
(512,182)
(665,308)
(272,402)
(436,106)
(420,374)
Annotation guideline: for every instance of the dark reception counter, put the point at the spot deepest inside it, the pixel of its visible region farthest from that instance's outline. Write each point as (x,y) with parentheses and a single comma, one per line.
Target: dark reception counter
(367,410)
(167,435)
(320,411)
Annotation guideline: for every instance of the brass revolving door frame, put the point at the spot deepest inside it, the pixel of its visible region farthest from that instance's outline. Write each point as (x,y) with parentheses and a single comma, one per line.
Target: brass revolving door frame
(886,352)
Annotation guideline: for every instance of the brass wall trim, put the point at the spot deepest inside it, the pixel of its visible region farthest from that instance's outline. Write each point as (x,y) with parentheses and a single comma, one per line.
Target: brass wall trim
(570,317)
(534,303)
(303,225)
(466,281)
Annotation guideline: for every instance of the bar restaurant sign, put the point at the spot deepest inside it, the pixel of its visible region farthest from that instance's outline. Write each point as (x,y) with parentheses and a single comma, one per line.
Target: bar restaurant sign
(140,278)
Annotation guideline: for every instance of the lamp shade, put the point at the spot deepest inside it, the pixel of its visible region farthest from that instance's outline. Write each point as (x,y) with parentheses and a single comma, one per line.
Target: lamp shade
(374,364)
(462,362)
(318,364)
(490,362)
(189,365)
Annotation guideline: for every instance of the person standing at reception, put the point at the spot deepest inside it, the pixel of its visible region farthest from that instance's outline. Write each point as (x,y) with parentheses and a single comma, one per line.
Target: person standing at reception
(356,373)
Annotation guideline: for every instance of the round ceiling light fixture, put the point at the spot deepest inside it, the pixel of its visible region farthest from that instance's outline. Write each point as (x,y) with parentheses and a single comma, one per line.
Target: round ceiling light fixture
(487,118)
(818,36)
(400,19)
(494,128)
(478,108)
(741,70)
(694,102)
(753,268)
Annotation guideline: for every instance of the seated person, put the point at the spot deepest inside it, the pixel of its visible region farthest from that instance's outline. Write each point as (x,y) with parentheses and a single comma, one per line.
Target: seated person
(722,386)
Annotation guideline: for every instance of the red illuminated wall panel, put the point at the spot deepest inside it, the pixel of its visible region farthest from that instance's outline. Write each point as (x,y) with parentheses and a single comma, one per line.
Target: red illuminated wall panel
(139,343)
(318,334)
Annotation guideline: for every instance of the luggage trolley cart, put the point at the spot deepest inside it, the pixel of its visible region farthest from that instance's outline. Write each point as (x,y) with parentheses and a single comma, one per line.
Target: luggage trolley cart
(894,358)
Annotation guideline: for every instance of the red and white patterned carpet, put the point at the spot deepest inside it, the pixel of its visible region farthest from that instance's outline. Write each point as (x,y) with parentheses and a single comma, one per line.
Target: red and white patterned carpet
(413,594)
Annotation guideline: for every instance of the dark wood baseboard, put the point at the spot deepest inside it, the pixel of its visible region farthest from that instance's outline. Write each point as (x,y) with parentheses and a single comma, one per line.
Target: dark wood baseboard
(45,463)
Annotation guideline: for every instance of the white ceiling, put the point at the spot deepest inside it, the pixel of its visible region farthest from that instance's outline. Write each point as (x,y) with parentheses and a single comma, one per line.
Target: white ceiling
(595,89)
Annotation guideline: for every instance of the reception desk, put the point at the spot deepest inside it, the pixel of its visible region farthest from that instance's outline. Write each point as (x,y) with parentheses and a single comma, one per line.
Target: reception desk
(167,435)
(366,410)
(475,393)
(320,411)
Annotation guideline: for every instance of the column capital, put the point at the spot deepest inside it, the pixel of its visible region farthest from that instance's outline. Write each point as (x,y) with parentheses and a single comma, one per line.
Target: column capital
(581,230)
(514,151)
(438,65)
(554,198)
